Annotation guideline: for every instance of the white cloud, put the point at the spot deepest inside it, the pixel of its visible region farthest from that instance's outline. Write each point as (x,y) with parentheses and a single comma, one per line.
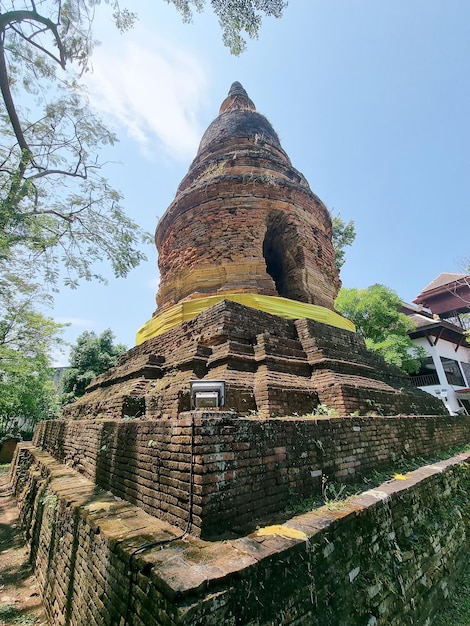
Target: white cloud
(151,87)
(60,358)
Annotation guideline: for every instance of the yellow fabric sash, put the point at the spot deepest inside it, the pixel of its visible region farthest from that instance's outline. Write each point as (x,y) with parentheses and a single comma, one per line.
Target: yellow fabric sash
(283,307)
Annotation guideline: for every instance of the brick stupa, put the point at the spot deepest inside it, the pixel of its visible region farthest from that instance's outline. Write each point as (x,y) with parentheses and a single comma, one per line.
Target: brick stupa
(247,291)
(142,513)
(244,220)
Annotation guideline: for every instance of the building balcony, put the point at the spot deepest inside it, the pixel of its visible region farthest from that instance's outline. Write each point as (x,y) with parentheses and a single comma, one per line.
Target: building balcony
(425,380)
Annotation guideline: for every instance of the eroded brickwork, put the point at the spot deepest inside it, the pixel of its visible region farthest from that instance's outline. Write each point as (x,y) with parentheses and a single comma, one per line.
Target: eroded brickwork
(244,220)
(388,557)
(244,469)
(129,464)
(271,366)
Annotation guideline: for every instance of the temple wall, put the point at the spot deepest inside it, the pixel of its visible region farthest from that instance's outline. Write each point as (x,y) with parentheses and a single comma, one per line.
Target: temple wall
(388,557)
(244,469)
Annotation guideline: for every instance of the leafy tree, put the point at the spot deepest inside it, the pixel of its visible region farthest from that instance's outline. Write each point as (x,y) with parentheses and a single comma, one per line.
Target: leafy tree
(27,338)
(56,209)
(235,16)
(344,235)
(92,355)
(375,312)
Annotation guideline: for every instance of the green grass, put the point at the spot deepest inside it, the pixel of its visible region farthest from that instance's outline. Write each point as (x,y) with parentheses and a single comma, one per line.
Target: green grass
(455,611)
(335,494)
(15,617)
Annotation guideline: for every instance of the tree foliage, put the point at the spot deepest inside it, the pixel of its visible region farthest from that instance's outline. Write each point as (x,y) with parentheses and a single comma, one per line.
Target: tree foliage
(92,355)
(375,313)
(235,17)
(344,235)
(56,208)
(27,338)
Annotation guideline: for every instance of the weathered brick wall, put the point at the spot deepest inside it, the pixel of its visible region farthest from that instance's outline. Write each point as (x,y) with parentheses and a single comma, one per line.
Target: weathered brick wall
(147,463)
(245,220)
(272,366)
(81,539)
(388,557)
(244,469)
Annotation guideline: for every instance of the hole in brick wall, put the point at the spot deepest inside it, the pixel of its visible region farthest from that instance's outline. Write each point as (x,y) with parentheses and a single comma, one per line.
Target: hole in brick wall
(184,400)
(283,256)
(147,568)
(133,407)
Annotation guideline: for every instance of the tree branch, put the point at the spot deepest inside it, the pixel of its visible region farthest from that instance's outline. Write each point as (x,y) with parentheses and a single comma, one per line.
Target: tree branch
(75,174)
(9,104)
(6,20)
(12,17)
(31,41)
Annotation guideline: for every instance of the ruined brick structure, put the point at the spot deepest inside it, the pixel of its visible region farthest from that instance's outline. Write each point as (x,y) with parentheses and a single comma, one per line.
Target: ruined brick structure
(387,557)
(272,366)
(245,223)
(247,288)
(244,220)
(245,470)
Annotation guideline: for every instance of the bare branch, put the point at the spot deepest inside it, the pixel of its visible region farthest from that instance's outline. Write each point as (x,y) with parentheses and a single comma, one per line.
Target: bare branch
(12,17)
(48,172)
(9,19)
(9,104)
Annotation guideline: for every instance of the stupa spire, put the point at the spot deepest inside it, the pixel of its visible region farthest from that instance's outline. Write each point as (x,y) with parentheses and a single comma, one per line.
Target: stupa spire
(237,100)
(244,221)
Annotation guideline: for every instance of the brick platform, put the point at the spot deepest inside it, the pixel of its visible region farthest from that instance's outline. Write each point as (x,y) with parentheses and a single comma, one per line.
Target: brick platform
(244,470)
(271,366)
(387,557)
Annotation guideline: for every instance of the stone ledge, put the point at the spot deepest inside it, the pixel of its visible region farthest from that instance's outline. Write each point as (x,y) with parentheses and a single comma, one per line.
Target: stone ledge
(200,579)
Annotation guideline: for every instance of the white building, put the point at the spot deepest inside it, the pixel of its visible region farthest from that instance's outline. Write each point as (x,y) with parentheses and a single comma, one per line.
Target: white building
(441,314)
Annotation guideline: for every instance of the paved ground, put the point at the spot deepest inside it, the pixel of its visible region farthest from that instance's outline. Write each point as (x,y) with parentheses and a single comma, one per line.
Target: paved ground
(20,603)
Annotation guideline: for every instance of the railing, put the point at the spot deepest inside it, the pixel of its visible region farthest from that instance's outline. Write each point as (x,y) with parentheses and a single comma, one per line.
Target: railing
(425,380)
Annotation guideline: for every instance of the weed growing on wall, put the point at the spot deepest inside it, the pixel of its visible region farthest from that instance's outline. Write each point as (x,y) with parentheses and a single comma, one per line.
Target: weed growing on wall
(334,495)
(323,409)
(50,501)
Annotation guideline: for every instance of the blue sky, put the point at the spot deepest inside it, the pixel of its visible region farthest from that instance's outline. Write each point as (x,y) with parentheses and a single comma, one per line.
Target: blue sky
(370,98)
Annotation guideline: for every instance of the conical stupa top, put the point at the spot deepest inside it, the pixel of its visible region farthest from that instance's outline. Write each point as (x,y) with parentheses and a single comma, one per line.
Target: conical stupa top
(238,119)
(237,99)
(244,220)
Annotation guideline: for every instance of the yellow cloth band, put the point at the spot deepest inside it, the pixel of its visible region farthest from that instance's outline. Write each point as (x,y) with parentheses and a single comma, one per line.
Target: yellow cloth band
(283,307)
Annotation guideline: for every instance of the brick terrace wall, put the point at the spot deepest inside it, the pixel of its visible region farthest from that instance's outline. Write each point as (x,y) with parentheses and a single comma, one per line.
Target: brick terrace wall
(244,469)
(388,558)
(81,564)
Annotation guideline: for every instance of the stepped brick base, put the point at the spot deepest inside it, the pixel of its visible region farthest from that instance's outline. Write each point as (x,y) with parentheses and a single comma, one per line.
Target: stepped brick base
(272,367)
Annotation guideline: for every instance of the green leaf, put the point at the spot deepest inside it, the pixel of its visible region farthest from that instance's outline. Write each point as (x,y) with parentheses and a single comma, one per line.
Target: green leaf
(375,313)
